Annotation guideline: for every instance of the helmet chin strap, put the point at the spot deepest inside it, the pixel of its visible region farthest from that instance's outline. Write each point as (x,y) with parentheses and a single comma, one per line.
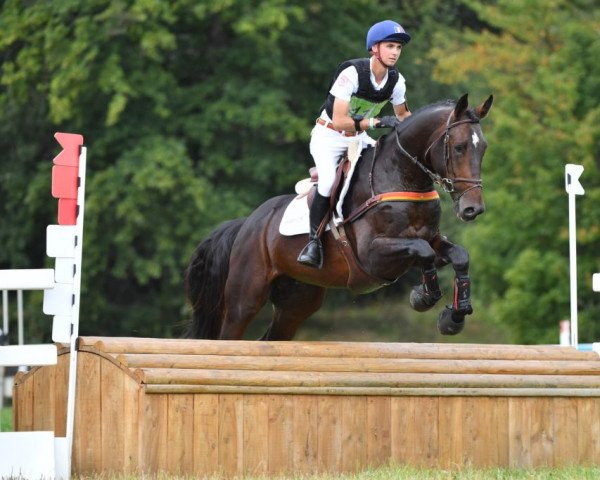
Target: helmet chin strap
(377,55)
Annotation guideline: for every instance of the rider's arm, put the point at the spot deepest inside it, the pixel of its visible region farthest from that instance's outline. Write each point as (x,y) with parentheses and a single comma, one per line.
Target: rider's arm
(402,111)
(341,117)
(342,90)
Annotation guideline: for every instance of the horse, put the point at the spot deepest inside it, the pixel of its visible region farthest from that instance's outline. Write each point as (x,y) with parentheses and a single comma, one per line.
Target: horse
(391,224)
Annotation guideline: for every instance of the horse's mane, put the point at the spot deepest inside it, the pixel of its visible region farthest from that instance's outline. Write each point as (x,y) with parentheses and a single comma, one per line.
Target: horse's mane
(441,104)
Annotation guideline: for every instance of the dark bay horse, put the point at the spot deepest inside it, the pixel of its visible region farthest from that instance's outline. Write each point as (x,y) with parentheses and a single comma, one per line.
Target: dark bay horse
(245,262)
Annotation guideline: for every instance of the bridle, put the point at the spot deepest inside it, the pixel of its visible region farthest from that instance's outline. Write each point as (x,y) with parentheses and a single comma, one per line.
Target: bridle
(447,183)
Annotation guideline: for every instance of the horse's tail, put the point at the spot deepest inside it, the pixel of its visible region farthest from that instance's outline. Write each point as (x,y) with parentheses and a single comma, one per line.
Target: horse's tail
(205,280)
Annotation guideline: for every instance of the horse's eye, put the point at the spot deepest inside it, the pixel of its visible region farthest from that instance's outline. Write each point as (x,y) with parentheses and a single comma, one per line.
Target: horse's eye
(460,148)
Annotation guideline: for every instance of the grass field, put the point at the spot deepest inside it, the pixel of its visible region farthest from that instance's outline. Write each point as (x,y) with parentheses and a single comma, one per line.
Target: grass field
(6,420)
(406,473)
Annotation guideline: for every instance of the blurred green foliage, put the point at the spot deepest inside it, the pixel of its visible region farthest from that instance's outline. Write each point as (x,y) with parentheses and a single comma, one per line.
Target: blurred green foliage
(195,112)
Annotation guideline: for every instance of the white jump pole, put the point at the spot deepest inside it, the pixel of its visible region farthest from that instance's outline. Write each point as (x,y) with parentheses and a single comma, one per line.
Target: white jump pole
(573,188)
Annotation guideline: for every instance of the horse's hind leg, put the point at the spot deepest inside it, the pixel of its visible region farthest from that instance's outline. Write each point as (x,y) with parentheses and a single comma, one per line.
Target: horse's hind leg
(293,302)
(246,292)
(452,319)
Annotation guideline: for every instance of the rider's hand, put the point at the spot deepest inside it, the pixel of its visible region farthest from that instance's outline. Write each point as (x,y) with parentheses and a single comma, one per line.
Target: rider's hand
(389,121)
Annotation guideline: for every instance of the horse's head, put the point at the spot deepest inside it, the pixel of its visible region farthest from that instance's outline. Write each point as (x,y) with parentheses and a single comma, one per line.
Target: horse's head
(456,155)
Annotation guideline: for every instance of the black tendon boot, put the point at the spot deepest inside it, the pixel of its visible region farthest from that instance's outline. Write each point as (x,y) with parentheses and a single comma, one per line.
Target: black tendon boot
(312,254)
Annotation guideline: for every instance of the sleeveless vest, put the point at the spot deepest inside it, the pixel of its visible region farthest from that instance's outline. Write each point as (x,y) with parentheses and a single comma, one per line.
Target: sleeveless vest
(366,101)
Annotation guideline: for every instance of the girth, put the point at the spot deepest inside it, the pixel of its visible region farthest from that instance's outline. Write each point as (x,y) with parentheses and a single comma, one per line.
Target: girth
(359,281)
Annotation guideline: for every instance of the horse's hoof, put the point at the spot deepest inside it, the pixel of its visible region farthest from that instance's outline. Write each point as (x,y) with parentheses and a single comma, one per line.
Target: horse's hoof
(449,322)
(421,301)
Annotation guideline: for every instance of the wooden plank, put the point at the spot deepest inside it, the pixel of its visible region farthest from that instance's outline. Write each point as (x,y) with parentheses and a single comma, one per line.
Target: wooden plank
(450,431)
(334,349)
(87,455)
(61,390)
(500,436)
(374,365)
(111,402)
(132,414)
(354,433)
(256,435)
(231,436)
(415,431)
(280,453)
(153,454)
(24,416)
(180,434)
(378,391)
(329,446)
(362,379)
(588,443)
(542,432)
(17,401)
(379,445)
(206,434)
(43,398)
(519,432)
(565,432)
(305,434)
(481,431)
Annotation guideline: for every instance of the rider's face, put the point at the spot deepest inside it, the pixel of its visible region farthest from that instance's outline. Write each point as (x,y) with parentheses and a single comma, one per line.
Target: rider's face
(389,52)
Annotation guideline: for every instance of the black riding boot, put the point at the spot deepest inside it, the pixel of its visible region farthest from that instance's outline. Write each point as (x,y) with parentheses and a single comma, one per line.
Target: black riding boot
(312,254)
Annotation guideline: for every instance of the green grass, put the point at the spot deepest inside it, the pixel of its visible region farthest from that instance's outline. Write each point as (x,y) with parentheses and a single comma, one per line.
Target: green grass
(406,473)
(6,424)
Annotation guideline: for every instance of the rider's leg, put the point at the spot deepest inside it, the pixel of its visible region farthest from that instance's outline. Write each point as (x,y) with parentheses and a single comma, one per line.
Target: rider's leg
(312,253)
(326,147)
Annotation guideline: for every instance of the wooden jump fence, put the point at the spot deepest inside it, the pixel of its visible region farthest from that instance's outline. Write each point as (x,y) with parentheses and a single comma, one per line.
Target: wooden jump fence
(200,407)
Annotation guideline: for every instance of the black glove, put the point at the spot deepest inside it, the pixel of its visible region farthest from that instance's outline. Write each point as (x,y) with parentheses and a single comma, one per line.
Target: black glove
(357,119)
(389,121)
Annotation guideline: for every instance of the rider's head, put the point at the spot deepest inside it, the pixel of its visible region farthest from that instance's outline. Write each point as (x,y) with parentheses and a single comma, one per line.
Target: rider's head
(386,31)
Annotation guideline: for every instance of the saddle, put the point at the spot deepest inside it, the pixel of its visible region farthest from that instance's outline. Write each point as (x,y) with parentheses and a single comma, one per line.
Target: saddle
(359,281)
(341,183)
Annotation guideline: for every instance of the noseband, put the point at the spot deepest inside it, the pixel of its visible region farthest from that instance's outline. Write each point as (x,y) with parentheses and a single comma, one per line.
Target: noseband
(446,183)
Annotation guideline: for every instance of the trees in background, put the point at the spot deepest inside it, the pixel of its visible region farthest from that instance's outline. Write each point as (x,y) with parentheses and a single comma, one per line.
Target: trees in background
(196,112)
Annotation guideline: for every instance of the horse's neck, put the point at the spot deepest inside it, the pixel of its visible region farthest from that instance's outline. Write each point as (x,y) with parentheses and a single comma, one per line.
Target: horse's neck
(394,170)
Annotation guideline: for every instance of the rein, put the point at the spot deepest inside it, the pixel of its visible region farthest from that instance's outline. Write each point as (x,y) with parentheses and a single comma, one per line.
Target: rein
(445,182)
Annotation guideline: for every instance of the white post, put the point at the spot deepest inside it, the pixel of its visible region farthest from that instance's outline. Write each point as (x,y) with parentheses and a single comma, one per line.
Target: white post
(573,187)
(573,269)
(5,311)
(20,317)
(76,305)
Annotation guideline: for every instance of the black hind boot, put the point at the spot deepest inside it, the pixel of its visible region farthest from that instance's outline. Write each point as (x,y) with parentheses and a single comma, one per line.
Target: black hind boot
(312,254)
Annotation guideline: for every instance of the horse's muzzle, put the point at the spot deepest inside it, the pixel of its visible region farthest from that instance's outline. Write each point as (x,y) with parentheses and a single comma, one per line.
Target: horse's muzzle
(469,213)
(470,205)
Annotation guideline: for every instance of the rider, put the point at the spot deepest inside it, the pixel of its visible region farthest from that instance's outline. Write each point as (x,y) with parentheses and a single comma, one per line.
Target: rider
(359,91)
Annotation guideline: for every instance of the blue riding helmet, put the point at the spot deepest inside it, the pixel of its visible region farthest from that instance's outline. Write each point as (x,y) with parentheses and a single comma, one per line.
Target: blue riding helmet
(386,30)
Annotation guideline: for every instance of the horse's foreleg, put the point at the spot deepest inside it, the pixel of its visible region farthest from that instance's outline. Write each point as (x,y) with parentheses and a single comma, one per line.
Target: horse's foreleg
(293,302)
(418,252)
(426,295)
(452,318)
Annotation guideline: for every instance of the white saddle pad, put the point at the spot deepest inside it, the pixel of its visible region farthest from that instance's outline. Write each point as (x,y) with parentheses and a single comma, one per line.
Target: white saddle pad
(295,219)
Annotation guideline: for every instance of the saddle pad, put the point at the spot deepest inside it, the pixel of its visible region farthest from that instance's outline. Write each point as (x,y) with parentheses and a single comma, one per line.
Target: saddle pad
(295,218)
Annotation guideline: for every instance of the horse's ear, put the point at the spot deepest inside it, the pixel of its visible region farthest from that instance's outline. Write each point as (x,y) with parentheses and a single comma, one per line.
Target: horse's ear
(461,106)
(483,109)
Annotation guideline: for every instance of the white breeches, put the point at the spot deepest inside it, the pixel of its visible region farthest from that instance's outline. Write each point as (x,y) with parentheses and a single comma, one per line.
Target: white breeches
(326,148)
